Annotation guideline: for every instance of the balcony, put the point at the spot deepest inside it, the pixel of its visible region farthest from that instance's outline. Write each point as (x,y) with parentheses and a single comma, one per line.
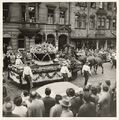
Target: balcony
(29,29)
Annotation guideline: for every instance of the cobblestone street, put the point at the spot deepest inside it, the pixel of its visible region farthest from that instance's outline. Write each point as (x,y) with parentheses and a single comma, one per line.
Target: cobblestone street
(109,74)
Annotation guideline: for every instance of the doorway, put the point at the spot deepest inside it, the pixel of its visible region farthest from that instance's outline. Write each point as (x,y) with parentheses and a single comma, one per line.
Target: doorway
(62,41)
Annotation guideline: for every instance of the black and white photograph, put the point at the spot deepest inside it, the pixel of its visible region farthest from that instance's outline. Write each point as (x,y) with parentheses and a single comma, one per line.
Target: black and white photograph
(59,59)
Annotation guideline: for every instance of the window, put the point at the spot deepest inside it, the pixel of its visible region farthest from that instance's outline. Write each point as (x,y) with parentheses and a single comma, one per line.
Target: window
(109,6)
(101,22)
(23,7)
(93,5)
(5,12)
(62,17)
(77,21)
(92,22)
(83,23)
(32,10)
(108,23)
(114,23)
(80,21)
(21,41)
(50,16)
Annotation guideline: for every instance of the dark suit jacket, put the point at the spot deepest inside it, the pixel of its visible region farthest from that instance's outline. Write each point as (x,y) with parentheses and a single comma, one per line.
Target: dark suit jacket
(48,103)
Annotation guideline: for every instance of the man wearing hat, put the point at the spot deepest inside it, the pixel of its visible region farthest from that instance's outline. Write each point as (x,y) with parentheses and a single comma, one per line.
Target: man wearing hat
(66,112)
(8,107)
(28,75)
(86,72)
(64,71)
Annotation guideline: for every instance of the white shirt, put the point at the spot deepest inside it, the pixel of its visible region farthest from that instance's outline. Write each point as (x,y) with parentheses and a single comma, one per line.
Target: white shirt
(27,71)
(20,110)
(64,69)
(18,62)
(86,68)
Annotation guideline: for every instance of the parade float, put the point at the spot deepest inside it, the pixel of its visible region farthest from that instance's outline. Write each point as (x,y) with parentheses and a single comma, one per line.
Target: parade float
(42,65)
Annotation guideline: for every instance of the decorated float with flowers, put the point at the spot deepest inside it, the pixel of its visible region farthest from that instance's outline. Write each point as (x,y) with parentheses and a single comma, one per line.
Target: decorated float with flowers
(42,65)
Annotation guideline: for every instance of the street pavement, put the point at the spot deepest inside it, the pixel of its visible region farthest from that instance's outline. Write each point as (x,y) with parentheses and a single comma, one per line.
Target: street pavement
(109,74)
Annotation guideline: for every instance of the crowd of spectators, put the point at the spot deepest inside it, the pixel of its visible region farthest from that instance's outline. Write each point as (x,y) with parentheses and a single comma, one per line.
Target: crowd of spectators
(91,101)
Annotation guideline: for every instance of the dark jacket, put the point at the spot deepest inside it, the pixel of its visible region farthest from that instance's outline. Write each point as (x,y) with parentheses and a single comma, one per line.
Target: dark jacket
(48,103)
(87,110)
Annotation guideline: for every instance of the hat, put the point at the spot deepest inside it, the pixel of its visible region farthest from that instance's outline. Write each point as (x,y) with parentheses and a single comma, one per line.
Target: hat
(8,107)
(65,102)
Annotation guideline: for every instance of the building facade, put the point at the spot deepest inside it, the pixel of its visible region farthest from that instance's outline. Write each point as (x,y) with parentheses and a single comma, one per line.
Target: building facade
(91,25)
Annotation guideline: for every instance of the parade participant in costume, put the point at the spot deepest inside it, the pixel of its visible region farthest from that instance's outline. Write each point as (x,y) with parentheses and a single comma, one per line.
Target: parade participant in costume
(64,71)
(86,72)
(18,60)
(28,75)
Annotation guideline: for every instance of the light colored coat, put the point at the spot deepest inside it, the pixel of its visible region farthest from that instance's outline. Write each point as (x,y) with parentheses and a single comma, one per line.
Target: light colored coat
(36,109)
(104,103)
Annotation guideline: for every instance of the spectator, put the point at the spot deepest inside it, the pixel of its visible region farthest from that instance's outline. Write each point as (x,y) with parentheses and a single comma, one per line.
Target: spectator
(74,102)
(88,109)
(104,102)
(25,98)
(48,101)
(108,83)
(66,112)
(8,108)
(113,106)
(94,97)
(56,110)
(36,108)
(79,96)
(19,108)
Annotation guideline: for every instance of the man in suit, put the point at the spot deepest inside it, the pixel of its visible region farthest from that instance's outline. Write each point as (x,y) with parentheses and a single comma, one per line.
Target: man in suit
(48,101)
(88,109)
